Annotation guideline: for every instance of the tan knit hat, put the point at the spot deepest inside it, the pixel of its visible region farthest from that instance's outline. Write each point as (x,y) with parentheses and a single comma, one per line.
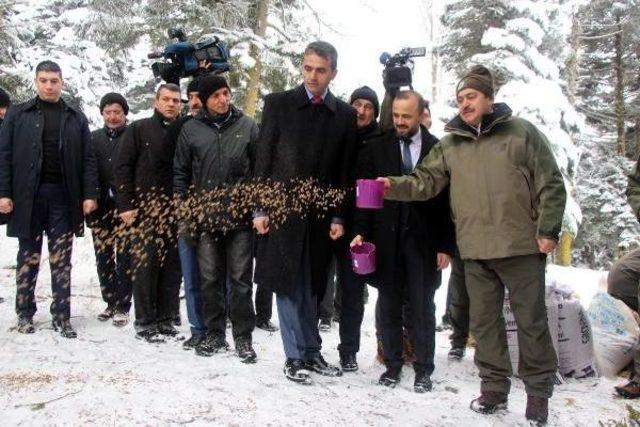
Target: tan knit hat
(479,78)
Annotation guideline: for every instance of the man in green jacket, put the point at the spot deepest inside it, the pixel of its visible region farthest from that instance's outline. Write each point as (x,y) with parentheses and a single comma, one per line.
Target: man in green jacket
(507,201)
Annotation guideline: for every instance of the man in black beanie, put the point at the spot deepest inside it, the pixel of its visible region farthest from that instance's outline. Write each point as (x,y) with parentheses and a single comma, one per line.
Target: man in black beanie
(217,149)
(508,198)
(5,101)
(186,241)
(112,253)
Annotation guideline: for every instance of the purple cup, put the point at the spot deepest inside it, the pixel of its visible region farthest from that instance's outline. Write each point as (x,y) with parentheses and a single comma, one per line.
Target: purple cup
(369,194)
(363,258)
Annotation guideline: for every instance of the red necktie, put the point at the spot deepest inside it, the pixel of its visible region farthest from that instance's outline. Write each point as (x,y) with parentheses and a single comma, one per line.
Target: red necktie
(317,100)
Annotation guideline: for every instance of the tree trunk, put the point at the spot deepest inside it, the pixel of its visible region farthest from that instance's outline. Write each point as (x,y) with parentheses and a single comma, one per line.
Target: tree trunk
(572,62)
(563,252)
(255,74)
(434,53)
(619,91)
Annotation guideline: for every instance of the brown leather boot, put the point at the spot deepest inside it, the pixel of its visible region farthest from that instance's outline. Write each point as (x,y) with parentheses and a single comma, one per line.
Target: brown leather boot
(537,410)
(631,390)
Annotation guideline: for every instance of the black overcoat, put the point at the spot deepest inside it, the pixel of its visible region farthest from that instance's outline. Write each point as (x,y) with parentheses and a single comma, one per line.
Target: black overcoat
(299,140)
(21,163)
(429,221)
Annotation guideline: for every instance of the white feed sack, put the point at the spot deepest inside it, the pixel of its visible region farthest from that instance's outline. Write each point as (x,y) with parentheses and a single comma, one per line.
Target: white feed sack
(615,333)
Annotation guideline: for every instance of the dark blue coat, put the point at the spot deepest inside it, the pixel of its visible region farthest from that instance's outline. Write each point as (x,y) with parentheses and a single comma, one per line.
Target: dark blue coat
(21,163)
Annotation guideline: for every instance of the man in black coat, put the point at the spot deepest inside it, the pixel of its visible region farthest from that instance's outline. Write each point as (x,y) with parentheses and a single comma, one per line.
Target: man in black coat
(112,255)
(350,289)
(306,133)
(48,182)
(144,175)
(414,242)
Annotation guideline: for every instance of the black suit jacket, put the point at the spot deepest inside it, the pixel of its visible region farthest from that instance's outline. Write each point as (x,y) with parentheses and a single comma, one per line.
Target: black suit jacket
(299,140)
(429,221)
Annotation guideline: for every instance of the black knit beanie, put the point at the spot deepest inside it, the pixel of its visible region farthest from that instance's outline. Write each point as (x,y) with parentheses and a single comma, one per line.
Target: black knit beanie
(193,85)
(479,78)
(114,98)
(208,84)
(365,92)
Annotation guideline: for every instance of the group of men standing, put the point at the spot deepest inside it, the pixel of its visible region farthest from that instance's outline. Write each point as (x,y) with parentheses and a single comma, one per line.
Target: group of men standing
(492,184)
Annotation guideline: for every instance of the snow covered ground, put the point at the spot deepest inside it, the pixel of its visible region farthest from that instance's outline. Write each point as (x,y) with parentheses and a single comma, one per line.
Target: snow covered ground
(107,377)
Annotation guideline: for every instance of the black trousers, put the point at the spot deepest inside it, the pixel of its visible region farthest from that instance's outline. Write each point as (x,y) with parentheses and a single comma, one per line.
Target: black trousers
(264,303)
(458,303)
(218,254)
(351,300)
(419,281)
(51,215)
(156,281)
(113,262)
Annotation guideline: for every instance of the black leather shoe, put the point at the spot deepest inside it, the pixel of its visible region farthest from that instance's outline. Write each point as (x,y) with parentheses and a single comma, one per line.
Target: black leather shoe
(150,335)
(295,370)
(213,343)
(64,327)
(25,325)
(319,365)
(266,325)
(422,382)
(166,328)
(348,362)
(106,314)
(192,342)
(390,377)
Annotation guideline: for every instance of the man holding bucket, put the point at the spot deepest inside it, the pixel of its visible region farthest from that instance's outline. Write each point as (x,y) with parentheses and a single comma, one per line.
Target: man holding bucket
(507,200)
(414,242)
(306,132)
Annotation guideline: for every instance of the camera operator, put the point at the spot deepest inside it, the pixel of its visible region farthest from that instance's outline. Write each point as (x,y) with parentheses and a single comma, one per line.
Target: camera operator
(144,172)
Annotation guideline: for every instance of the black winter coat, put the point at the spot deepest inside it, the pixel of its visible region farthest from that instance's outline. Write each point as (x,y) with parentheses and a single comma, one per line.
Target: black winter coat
(207,157)
(106,143)
(429,221)
(299,140)
(21,163)
(144,162)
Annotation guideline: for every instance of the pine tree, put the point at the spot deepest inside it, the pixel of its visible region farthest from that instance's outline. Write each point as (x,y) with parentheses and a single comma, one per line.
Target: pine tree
(517,39)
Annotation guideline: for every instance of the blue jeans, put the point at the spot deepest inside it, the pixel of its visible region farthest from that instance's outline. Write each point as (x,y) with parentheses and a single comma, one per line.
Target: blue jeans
(192,292)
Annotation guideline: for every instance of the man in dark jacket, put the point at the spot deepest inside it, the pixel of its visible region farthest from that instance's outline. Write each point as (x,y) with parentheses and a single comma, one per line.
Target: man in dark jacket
(48,182)
(414,242)
(214,150)
(507,199)
(186,245)
(112,255)
(144,178)
(350,289)
(306,133)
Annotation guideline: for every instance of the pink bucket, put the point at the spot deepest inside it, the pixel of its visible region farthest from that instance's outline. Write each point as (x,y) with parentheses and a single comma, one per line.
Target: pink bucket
(363,258)
(369,194)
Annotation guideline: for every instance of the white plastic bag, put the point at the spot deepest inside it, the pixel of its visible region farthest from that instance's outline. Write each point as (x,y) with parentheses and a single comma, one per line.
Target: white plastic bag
(615,333)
